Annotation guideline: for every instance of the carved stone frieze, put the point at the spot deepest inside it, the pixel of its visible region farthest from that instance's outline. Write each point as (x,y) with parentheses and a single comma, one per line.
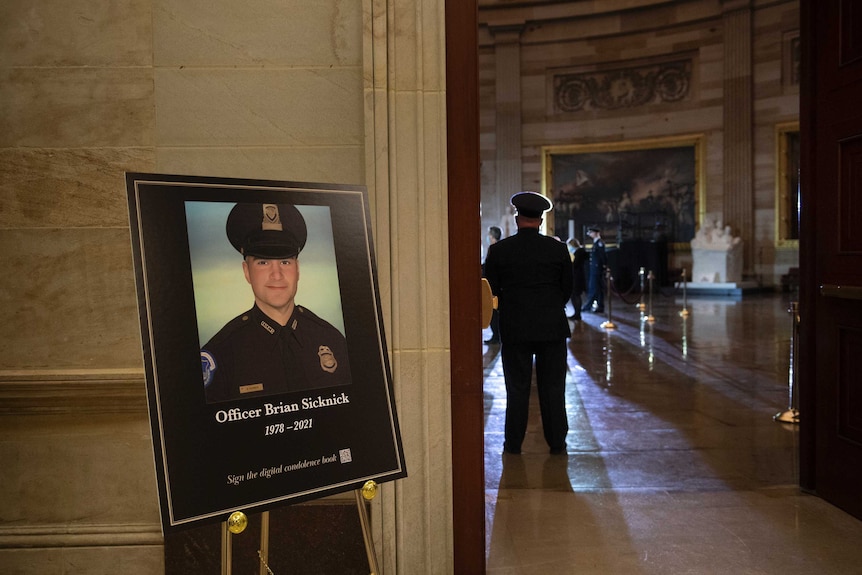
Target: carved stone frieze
(622,88)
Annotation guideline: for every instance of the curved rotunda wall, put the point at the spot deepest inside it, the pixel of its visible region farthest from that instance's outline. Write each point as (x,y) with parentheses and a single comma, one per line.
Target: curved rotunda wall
(531,55)
(543,9)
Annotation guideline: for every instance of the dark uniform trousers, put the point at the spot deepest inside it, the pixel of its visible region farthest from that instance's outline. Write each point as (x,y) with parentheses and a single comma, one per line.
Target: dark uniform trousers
(550,382)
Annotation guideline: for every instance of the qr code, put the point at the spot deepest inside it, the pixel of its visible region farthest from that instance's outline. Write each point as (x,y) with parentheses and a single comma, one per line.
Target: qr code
(345,456)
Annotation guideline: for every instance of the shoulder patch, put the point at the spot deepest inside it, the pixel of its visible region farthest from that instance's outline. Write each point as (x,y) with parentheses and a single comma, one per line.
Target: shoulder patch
(208,366)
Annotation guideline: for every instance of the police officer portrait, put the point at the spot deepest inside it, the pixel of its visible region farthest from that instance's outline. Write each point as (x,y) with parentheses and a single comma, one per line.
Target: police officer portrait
(267,299)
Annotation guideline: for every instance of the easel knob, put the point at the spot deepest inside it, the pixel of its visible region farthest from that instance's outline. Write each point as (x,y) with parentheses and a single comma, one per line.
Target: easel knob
(369,490)
(237,522)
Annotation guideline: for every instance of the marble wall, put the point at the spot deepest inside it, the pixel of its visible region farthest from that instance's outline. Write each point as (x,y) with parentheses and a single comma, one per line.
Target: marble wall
(573,39)
(331,91)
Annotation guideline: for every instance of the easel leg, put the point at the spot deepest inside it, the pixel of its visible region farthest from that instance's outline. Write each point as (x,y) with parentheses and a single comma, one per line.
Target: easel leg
(263,552)
(225,549)
(366,533)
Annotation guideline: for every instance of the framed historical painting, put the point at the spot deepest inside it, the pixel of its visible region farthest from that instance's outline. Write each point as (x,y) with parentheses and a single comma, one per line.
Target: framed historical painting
(787,191)
(643,189)
(268,380)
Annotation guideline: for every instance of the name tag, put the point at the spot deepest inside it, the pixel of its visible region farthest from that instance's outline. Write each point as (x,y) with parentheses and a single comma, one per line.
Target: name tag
(251,388)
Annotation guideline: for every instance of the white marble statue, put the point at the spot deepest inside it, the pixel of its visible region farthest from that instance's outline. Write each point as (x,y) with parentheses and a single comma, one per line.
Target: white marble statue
(716,254)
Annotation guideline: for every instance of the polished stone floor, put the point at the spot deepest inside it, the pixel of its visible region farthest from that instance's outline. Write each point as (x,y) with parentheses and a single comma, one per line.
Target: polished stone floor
(674,464)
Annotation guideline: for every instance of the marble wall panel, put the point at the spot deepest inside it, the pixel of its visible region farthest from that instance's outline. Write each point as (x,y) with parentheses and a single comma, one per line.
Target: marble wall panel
(764,138)
(786,258)
(79,495)
(419,258)
(427,450)
(60,188)
(407,269)
(433,218)
(262,33)
(68,300)
(285,107)
(416,60)
(338,165)
(60,33)
(128,560)
(76,107)
(80,471)
(711,74)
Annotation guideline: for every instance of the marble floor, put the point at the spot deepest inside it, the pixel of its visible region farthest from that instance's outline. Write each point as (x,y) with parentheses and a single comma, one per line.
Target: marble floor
(674,464)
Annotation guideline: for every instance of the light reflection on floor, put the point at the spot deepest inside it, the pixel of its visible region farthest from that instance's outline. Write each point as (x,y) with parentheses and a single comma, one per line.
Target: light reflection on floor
(674,462)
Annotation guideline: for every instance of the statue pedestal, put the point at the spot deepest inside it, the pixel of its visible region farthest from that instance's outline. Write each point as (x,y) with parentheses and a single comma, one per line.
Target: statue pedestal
(717,265)
(733,290)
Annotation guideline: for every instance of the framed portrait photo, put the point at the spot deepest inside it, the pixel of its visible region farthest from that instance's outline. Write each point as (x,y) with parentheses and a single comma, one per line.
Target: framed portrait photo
(268,380)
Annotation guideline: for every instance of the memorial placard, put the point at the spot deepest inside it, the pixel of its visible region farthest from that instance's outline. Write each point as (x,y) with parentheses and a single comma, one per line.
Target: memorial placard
(268,379)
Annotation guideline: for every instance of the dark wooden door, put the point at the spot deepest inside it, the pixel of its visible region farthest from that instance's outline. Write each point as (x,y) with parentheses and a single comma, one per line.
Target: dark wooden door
(831,251)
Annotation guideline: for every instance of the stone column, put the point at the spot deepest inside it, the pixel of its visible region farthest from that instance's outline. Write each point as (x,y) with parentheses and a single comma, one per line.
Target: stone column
(405,120)
(508,116)
(738,92)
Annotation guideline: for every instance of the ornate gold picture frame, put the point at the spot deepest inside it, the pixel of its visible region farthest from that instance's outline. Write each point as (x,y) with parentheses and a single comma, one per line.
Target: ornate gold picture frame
(643,189)
(787,206)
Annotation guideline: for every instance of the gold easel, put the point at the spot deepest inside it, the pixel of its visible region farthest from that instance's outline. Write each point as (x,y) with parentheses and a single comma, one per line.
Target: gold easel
(238,521)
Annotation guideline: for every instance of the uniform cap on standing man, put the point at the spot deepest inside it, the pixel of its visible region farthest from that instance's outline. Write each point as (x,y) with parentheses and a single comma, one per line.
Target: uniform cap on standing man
(530,204)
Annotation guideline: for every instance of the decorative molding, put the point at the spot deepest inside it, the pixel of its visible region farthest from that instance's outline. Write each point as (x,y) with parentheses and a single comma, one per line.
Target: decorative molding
(791,60)
(622,88)
(507,33)
(72,535)
(35,392)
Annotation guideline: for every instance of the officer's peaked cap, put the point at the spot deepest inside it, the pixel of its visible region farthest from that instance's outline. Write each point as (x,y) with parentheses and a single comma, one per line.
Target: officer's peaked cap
(266,230)
(530,204)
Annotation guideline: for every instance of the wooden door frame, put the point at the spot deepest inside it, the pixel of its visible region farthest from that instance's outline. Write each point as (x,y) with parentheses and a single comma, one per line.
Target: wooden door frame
(807,250)
(465,340)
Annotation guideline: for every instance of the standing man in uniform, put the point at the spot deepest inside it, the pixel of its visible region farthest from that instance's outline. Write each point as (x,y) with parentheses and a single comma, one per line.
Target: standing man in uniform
(531,275)
(598,262)
(494,235)
(277,346)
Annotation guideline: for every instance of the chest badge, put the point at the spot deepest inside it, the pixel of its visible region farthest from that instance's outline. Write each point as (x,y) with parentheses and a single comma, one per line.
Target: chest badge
(328,363)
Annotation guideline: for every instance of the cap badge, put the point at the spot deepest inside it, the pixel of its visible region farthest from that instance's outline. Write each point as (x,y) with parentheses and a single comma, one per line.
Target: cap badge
(328,363)
(271,219)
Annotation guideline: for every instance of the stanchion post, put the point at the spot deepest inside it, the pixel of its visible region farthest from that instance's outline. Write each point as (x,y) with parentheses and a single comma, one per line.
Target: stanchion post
(650,318)
(684,311)
(641,305)
(791,414)
(608,324)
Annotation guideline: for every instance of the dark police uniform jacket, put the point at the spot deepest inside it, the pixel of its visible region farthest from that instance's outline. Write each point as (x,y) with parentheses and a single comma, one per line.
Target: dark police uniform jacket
(252,355)
(531,275)
(598,257)
(579,270)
